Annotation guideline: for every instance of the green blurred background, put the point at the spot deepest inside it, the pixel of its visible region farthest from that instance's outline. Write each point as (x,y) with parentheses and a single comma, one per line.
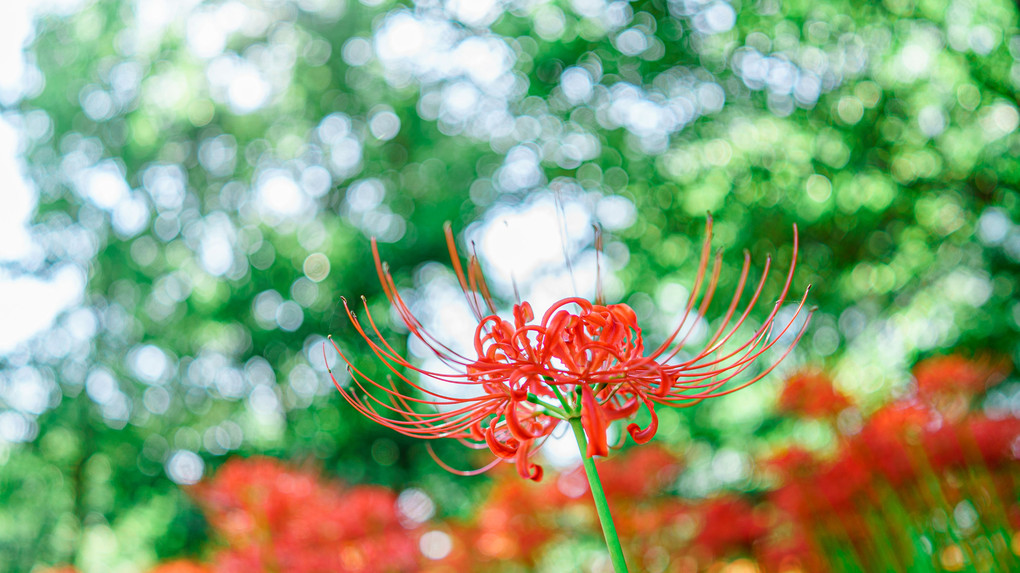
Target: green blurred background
(191,186)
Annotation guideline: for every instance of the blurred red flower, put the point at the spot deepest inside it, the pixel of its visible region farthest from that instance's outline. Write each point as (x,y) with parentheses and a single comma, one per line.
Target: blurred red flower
(955,374)
(890,438)
(949,383)
(810,393)
(642,473)
(728,524)
(997,441)
(580,359)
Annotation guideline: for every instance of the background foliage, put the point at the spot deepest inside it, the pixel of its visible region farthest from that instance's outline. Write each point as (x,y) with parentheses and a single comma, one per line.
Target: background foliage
(215,170)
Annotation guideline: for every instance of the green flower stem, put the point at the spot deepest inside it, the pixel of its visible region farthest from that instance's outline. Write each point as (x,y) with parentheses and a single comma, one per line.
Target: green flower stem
(557,412)
(601,506)
(560,397)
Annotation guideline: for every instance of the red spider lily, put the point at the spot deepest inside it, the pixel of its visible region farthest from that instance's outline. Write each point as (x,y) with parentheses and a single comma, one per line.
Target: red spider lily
(949,383)
(579,360)
(887,441)
(955,374)
(811,394)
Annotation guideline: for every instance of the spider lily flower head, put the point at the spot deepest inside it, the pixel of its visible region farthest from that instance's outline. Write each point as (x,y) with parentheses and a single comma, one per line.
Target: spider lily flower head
(579,359)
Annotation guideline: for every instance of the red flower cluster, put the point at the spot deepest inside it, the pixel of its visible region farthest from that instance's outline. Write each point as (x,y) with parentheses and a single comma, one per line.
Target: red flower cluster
(275,517)
(579,360)
(908,458)
(271,517)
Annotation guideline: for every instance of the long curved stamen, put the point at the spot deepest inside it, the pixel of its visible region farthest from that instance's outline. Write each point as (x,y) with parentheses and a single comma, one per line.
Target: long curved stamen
(442,464)
(599,294)
(706,249)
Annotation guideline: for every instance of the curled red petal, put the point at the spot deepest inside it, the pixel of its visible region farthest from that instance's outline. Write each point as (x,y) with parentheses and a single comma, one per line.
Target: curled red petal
(594,421)
(665,383)
(514,423)
(518,390)
(501,449)
(527,469)
(523,314)
(625,314)
(624,410)
(476,431)
(642,436)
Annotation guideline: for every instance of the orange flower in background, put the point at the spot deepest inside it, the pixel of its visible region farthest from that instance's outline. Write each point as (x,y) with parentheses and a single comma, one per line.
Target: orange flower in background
(580,360)
(810,393)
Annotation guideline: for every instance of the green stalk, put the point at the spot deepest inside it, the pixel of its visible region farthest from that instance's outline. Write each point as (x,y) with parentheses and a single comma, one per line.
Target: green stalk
(558,413)
(601,506)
